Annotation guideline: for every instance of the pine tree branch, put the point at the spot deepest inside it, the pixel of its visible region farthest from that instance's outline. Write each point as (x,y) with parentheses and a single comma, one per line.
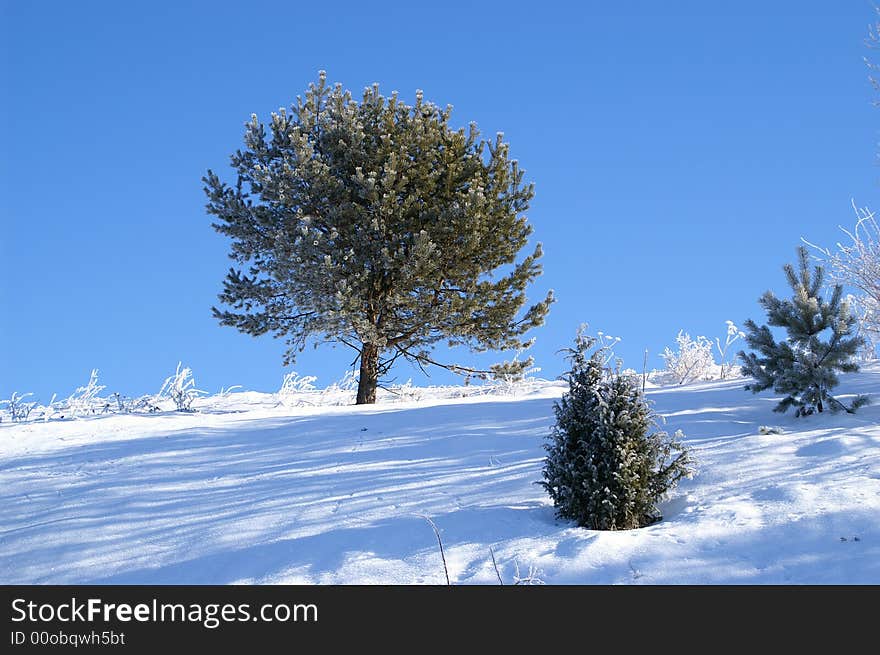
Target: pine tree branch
(454,368)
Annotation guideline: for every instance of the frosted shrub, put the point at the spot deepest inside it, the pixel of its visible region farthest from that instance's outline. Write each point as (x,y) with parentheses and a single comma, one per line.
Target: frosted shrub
(856,262)
(691,361)
(405,392)
(181,389)
(145,404)
(225,391)
(292,383)
(296,388)
(606,467)
(19,411)
(631,373)
(343,390)
(512,377)
(48,411)
(128,405)
(511,383)
(733,334)
(606,343)
(867,313)
(349,381)
(123,403)
(531,577)
(85,400)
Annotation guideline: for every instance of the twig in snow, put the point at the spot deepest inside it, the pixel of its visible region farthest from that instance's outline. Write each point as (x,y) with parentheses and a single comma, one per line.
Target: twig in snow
(495,566)
(531,578)
(635,572)
(439,541)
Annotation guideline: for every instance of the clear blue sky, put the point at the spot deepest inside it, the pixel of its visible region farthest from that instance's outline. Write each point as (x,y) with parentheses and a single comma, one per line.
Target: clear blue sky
(679,151)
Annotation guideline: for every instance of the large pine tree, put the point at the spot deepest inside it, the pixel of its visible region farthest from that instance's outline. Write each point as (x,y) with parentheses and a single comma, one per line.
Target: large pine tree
(376,225)
(820,342)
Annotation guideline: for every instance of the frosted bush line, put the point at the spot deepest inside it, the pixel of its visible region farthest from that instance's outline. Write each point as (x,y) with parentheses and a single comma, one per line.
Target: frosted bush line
(296,390)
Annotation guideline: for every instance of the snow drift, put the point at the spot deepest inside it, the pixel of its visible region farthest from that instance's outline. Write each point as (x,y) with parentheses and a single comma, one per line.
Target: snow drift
(247,490)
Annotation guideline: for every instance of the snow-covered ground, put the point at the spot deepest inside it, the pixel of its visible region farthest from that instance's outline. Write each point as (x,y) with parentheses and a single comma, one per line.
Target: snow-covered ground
(247,491)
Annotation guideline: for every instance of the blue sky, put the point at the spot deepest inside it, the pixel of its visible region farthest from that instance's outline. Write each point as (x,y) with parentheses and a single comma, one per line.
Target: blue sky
(679,151)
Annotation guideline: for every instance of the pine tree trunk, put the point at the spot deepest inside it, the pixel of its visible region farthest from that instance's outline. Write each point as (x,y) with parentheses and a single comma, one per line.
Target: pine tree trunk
(369,379)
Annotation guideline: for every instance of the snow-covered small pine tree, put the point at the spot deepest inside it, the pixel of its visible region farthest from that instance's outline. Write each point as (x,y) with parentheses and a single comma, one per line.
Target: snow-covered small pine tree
(804,365)
(607,467)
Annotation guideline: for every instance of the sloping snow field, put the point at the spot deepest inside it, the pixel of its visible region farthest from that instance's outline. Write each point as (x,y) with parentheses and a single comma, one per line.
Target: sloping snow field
(246,491)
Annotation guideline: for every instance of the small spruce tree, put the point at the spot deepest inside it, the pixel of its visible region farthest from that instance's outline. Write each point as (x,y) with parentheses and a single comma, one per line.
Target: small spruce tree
(607,468)
(804,365)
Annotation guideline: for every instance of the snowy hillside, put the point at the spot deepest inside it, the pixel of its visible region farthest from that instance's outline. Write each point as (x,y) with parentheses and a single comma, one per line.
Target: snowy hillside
(249,491)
